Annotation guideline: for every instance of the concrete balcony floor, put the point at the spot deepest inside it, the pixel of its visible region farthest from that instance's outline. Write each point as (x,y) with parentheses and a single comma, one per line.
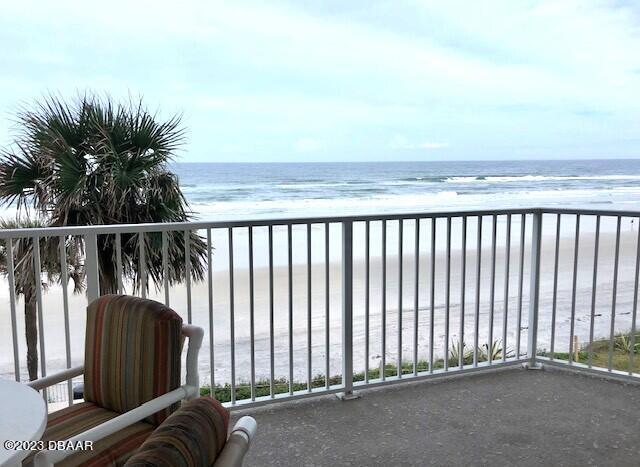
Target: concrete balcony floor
(511,417)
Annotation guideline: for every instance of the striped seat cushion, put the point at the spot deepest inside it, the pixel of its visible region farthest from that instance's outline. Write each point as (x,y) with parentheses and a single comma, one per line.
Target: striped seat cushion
(113,450)
(132,353)
(192,436)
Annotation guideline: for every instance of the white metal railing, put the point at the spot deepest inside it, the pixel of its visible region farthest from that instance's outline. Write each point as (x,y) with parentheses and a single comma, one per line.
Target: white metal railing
(420,261)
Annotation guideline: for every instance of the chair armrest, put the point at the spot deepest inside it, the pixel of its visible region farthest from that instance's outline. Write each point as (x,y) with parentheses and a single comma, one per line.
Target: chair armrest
(46,381)
(232,455)
(195,335)
(48,458)
(246,425)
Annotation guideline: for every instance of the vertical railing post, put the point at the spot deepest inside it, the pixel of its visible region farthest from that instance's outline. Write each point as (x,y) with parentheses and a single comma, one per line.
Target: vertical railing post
(91,266)
(347,311)
(534,288)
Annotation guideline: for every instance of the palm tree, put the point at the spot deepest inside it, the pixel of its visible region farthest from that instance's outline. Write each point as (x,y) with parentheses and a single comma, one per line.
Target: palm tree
(25,277)
(95,161)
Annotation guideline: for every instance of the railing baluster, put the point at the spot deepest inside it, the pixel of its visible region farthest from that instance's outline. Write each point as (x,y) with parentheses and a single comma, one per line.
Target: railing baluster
(187,271)
(594,286)
(165,263)
(12,308)
(447,296)
(634,312)
(91,266)
(64,281)
(251,317)
(37,269)
(463,279)
(534,288)
(290,290)
(523,229)
(347,310)
(271,320)
(492,289)
(555,287)
(383,293)
(212,366)
(309,306)
(576,251)
(432,298)
(614,293)
(327,304)
(367,287)
(507,263)
(232,323)
(416,296)
(476,330)
(143,266)
(400,267)
(119,262)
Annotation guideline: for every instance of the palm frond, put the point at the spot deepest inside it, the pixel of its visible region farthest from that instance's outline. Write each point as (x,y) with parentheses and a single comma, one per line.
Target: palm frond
(94,161)
(20,173)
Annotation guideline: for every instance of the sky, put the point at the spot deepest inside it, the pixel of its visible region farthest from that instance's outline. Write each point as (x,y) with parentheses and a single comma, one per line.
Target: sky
(338,80)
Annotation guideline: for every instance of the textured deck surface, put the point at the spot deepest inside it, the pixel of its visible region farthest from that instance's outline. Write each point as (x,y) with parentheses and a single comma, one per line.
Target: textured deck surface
(513,417)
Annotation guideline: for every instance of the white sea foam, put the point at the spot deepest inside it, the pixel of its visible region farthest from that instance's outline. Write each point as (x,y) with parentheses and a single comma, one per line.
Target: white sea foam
(427,201)
(302,185)
(538,178)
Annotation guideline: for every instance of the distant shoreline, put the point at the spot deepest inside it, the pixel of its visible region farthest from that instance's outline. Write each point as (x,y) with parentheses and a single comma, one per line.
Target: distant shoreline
(443,161)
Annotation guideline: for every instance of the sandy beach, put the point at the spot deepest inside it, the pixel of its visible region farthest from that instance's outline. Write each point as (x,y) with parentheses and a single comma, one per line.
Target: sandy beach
(54,319)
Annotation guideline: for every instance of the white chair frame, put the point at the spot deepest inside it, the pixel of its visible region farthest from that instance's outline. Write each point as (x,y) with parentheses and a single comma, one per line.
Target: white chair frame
(244,430)
(191,389)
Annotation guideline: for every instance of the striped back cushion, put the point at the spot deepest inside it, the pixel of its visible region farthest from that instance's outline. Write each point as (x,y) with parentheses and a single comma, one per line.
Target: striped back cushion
(193,436)
(132,353)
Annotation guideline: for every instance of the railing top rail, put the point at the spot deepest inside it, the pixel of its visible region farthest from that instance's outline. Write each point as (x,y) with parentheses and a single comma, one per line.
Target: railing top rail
(202,225)
(593,212)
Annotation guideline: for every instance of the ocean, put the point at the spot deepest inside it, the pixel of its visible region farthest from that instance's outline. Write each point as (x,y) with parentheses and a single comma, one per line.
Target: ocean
(218,191)
(238,190)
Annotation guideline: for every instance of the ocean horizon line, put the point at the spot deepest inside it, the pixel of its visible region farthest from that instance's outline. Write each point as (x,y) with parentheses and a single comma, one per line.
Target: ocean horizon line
(413,161)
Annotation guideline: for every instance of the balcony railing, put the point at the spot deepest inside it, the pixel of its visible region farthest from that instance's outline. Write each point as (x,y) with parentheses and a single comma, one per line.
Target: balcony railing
(306,306)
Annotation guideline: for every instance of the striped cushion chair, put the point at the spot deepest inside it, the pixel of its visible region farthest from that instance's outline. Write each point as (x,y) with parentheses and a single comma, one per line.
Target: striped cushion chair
(133,349)
(132,353)
(196,436)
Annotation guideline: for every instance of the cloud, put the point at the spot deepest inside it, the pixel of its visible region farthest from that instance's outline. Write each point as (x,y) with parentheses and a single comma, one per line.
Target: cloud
(400,142)
(485,75)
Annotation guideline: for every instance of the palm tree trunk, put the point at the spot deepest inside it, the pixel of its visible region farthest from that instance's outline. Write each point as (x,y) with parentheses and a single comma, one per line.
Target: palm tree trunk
(107,288)
(107,276)
(31,333)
